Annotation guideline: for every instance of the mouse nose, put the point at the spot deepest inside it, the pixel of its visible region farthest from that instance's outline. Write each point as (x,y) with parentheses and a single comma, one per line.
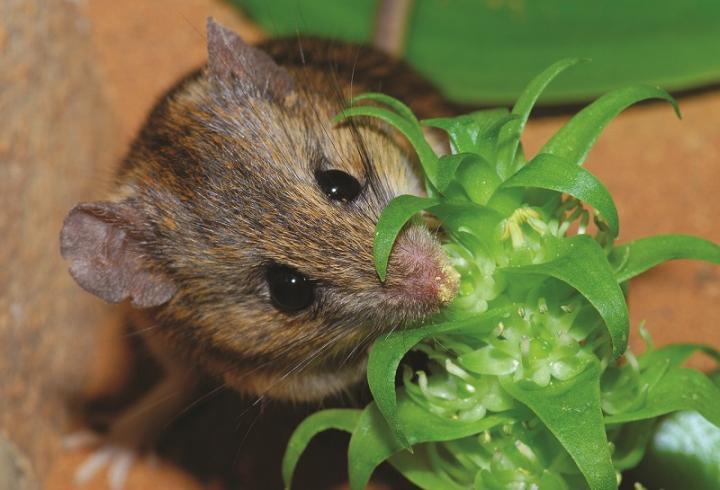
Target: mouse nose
(420,276)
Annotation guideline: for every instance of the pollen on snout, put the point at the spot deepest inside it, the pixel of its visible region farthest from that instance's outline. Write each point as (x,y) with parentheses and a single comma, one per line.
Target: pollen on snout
(420,273)
(448,283)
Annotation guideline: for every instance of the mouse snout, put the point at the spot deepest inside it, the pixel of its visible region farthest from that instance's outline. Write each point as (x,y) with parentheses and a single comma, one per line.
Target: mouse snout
(419,275)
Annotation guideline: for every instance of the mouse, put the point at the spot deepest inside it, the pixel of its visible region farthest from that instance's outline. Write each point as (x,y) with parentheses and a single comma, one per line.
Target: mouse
(240,229)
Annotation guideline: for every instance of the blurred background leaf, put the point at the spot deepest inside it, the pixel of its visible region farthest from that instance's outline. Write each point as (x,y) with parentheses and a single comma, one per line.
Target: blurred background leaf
(485,51)
(684,452)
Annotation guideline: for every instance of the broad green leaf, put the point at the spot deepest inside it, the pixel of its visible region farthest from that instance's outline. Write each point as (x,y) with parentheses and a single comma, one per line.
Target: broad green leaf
(637,256)
(571,411)
(574,140)
(678,389)
(387,352)
(410,129)
(683,453)
(373,441)
(484,52)
(391,102)
(340,419)
(551,172)
(585,268)
(509,139)
(392,220)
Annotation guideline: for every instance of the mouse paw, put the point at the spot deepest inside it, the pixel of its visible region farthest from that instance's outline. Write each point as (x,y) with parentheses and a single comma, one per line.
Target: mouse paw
(117,458)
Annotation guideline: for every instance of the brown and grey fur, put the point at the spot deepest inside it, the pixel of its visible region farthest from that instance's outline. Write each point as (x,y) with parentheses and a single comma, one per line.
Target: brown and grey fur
(221,182)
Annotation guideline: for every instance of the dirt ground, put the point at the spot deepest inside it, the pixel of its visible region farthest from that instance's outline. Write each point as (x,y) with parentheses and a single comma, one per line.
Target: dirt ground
(664,174)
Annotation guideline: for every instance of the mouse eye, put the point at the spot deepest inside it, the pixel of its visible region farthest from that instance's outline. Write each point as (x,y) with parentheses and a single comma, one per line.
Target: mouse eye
(289,289)
(338,185)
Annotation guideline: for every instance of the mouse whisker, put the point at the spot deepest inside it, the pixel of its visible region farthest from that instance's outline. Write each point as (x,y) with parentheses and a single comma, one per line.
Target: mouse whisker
(199,399)
(300,365)
(140,331)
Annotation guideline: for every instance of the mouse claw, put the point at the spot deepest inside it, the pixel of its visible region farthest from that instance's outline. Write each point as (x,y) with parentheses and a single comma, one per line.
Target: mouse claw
(93,464)
(116,459)
(80,439)
(119,469)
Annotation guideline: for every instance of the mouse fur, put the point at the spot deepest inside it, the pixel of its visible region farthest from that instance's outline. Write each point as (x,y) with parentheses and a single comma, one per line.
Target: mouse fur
(221,182)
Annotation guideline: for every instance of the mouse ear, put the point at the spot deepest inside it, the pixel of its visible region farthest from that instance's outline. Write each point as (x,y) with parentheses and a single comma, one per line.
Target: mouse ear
(106,260)
(232,60)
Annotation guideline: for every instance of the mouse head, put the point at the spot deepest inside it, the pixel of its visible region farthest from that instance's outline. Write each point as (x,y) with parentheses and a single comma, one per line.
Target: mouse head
(244,219)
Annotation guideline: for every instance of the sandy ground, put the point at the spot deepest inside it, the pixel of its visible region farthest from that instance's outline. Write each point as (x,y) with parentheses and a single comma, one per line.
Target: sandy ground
(664,174)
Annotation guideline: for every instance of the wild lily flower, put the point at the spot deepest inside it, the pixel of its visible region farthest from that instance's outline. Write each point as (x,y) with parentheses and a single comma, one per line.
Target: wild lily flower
(526,381)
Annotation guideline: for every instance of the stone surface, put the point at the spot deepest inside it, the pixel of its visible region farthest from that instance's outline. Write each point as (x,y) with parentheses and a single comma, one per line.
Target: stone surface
(55,144)
(15,471)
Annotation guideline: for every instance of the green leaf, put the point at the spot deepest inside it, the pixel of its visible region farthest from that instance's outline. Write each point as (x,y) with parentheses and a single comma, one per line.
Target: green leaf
(391,222)
(678,389)
(476,132)
(637,256)
(571,411)
(340,419)
(373,442)
(387,352)
(410,129)
(574,140)
(630,443)
(585,268)
(551,172)
(449,164)
(391,102)
(480,220)
(683,453)
(675,355)
(479,180)
(484,52)
(509,139)
(418,468)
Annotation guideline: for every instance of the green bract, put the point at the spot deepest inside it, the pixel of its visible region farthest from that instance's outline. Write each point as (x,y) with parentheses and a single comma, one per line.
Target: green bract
(527,382)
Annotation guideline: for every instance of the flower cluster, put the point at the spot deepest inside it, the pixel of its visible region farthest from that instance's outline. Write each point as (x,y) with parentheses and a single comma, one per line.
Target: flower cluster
(524,381)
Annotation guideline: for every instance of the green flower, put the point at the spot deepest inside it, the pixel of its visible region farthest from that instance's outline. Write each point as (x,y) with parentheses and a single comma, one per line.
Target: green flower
(526,382)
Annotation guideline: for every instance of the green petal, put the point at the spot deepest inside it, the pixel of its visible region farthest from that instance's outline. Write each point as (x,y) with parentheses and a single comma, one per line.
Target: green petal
(490,361)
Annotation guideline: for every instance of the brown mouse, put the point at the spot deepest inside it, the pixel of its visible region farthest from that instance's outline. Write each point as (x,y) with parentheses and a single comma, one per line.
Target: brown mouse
(242,221)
